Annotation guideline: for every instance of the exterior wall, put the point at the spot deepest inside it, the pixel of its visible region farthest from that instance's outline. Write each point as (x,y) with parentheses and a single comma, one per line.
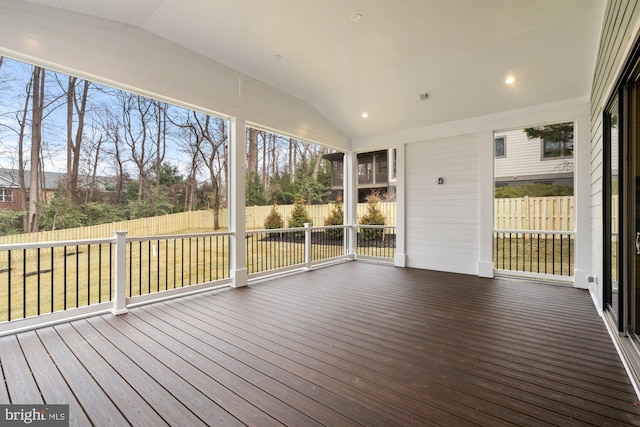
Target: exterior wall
(523,160)
(619,31)
(134,60)
(449,227)
(13,205)
(443,220)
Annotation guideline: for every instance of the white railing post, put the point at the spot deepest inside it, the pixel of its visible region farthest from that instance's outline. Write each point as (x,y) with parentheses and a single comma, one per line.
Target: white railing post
(120,282)
(307,246)
(353,241)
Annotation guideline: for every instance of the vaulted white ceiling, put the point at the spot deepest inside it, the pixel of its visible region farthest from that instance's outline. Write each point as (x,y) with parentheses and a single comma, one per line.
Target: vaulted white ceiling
(457,51)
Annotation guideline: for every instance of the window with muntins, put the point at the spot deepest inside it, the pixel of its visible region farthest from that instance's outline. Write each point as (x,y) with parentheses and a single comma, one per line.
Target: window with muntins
(6,195)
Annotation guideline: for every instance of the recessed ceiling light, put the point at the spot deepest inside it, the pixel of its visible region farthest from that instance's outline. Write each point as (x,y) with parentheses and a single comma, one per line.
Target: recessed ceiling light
(356,17)
(365,115)
(510,80)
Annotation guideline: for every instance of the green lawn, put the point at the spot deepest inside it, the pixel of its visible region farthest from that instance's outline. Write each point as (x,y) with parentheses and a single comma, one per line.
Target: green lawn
(535,254)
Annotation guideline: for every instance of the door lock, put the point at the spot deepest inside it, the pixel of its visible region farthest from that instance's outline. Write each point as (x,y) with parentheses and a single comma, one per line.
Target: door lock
(637,243)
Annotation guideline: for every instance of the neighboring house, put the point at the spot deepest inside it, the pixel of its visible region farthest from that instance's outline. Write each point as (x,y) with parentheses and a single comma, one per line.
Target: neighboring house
(376,172)
(520,160)
(11,192)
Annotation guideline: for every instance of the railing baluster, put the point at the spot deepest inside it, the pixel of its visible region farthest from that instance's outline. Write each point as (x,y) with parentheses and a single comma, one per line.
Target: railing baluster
(24,283)
(65,276)
(38,267)
(52,279)
(148,267)
(99,273)
(9,269)
(88,274)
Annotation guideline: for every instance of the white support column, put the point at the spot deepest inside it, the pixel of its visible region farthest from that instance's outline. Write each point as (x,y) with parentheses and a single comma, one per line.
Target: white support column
(485,154)
(582,200)
(237,211)
(120,271)
(400,259)
(351,201)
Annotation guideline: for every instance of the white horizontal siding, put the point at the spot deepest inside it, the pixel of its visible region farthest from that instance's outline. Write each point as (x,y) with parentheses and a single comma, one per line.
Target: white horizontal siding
(444,219)
(619,29)
(524,157)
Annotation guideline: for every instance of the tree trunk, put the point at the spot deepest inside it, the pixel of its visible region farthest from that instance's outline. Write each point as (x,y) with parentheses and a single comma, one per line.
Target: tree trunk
(316,167)
(36,142)
(71,96)
(94,172)
(21,179)
(74,145)
(252,154)
(292,158)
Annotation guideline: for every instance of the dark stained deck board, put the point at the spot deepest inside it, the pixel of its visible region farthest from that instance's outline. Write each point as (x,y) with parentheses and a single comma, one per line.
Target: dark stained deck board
(167,406)
(194,353)
(50,382)
(409,378)
(268,385)
(336,333)
(385,382)
(371,403)
(304,386)
(122,394)
(373,358)
(349,344)
(203,407)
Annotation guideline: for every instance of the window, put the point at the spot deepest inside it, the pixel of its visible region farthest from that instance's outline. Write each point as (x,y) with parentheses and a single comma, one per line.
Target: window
(395,164)
(552,148)
(365,168)
(500,146)
(6,195)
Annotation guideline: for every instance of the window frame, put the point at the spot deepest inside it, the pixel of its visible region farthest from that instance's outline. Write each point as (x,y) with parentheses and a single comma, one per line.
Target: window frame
(6,195)
(504,146)
(562,149)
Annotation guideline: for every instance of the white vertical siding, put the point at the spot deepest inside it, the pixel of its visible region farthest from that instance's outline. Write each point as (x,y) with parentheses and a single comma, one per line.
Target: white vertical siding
(443,220)
(619,30)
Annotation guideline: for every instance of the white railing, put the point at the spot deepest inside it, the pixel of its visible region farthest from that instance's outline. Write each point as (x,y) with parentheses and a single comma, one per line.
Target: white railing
(49,282)
(535,253)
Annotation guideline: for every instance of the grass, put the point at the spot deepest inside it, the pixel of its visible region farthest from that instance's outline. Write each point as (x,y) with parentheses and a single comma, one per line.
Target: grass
(535,255)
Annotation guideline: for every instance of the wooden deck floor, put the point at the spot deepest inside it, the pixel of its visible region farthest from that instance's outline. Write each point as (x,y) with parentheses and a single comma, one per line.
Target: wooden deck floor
(353,344)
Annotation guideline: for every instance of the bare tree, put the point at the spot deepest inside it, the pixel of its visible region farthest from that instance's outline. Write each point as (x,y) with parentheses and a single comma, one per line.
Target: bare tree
(136,116)
(110,126)
(212,132)
(75,108)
